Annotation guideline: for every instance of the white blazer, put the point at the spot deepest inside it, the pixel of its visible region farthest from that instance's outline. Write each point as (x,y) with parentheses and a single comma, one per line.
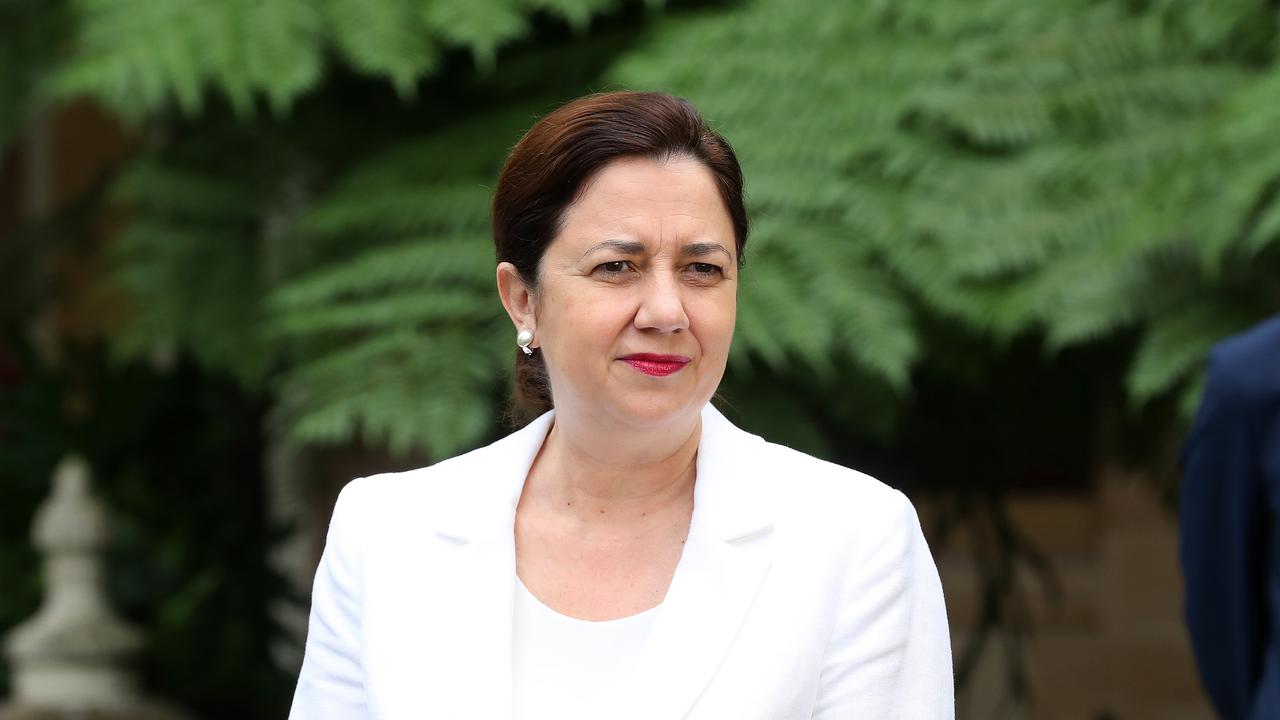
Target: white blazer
(805,590)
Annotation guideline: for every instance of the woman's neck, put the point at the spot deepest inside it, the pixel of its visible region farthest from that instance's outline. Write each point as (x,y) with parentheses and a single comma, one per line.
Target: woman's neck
(594,473)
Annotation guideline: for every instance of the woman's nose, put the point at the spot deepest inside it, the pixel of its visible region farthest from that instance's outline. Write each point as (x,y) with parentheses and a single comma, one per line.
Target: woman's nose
(661,306)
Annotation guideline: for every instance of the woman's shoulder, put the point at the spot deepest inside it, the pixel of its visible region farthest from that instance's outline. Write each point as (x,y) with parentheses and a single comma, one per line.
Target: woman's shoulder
(417,495)
(403,486)
(860,529)
(790,474)
(798,488)
(815,491)
(810,475)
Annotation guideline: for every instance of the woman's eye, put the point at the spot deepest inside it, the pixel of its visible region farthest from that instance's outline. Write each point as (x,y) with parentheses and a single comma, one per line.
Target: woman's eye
(615,266)
(702,268)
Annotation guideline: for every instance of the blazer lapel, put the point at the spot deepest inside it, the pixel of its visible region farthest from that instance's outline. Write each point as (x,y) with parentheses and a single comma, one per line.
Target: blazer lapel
(725,559)
(465,600)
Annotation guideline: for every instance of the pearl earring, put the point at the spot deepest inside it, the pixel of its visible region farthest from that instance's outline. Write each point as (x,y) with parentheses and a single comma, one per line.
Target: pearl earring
(523,338)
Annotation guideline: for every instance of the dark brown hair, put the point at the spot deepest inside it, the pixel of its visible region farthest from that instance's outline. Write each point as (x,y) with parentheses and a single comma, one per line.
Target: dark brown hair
(553,162)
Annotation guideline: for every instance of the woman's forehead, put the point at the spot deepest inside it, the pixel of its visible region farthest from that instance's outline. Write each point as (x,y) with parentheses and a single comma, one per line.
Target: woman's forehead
(640,180)
(644,201)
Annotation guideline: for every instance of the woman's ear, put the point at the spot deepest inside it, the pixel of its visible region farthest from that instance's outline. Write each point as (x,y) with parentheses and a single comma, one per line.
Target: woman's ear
(517,297)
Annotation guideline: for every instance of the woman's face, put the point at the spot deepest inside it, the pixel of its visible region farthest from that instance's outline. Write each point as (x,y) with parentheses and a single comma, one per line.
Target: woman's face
(637,295)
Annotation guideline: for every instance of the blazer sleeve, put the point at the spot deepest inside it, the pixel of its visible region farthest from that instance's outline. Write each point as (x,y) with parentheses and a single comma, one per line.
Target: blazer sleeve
(922,685)
(1222,537)
(926,684)
(331,683)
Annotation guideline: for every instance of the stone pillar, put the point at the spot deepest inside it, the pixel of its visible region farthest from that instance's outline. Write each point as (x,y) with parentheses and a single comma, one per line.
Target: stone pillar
(73,659)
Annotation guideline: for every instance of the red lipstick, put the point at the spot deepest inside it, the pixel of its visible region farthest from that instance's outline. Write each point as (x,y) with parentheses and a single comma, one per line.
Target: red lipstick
(658,365)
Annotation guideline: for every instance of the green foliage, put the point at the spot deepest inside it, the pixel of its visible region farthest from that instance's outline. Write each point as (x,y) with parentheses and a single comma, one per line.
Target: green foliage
(383,39)
(138,56)
(380,342)
(196,235)
(29,35)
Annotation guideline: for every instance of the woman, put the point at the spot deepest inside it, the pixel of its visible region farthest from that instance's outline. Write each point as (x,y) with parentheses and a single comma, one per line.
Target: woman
(629,553)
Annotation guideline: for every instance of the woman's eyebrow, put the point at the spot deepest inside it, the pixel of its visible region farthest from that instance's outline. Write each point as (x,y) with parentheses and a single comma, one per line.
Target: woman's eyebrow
(635,247)
(700,249)
(626,247)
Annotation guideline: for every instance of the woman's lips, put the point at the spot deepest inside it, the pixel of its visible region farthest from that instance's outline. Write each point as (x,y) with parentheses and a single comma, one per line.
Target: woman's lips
(658,365)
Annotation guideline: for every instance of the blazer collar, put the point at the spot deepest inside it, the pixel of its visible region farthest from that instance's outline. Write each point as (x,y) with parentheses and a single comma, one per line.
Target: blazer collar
(729,496)
(487,484)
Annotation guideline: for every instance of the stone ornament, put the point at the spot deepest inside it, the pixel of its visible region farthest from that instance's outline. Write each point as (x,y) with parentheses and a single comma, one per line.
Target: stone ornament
(75,656)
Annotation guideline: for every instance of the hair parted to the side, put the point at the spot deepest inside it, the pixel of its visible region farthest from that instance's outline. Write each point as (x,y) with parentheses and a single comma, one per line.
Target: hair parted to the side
(551,165)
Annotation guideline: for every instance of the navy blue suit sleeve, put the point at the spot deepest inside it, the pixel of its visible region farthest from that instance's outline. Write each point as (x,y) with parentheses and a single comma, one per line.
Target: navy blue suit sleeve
(1222,513)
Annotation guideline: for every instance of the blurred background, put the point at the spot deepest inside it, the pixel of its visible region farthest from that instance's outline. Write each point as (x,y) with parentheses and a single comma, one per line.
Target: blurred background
(244,257)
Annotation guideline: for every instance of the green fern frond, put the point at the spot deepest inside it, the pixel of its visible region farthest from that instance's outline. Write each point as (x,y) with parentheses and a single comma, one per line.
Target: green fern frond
(169,271)
(1086,302)
(578,13)
(1206,29)
(399,211)
(277,52)
(136,54)
(1265,230)
(460,261)
(1176,343)
(1028,237)
(774,302)
(479,25)
(417,307)
(1007,120)
(402,389)
(191,195)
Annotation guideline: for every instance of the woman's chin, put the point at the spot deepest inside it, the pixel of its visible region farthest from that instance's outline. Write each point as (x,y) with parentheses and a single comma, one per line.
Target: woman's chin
(653,410)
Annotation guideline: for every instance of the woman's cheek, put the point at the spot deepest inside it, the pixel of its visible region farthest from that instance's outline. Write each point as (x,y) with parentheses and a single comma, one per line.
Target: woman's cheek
(717,327)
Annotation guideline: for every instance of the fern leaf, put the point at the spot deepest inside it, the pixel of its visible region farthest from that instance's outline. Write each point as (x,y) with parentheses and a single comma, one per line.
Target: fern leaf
(1176,343)
(383,38)
(478,25)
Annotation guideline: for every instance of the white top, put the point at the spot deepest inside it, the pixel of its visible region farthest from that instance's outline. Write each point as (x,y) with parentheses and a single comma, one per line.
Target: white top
(564,668)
